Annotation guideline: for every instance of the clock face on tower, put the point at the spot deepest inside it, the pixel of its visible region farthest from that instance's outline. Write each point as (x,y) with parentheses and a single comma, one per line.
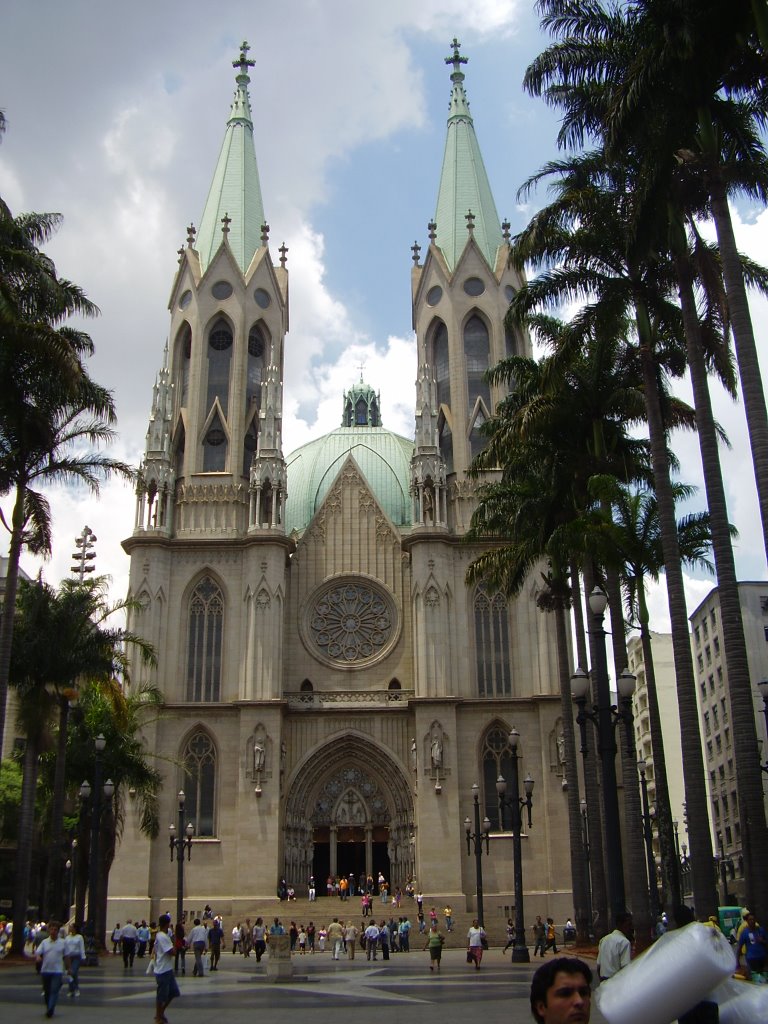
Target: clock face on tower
(351,623)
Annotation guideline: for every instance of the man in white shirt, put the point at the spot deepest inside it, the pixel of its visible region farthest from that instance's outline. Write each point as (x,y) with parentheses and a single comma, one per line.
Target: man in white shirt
(615,950)
(371,940)
(198,939)
(52,957)
(128,938)
(167,989)
(336,938)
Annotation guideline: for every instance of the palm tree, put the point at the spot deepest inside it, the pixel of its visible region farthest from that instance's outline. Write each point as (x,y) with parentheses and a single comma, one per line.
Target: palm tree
(634,545)
(61,640)
(559,424)
(584,236)
(88,651)
(49,406)
(121,717)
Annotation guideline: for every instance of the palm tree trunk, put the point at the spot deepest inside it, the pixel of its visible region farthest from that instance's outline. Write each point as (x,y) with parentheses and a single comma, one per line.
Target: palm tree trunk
(749,784)
(744,343)
(634,849)
(704,894)
(54,874)
(25,844)
(9,603)
(578,853)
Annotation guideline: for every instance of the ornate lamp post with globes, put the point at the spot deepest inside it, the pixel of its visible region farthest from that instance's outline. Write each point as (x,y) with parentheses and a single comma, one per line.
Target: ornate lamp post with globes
(180,841)
(516,803)
(476,838)
(91,945)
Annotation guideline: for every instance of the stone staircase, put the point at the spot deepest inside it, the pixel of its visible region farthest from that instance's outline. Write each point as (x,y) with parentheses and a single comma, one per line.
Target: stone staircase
(324,909)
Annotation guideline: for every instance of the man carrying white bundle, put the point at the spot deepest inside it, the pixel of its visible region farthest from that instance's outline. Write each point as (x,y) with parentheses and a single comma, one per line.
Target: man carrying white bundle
(615,950)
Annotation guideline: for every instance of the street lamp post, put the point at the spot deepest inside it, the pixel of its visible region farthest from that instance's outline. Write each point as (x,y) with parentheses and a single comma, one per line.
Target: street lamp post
(180,841)
(516,803)
(653,890)
(587,865)
(91,945)
(476,839)
(605,716)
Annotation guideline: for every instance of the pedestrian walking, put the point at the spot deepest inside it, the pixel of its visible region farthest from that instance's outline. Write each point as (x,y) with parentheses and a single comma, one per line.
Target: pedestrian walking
(511,934)
(179,947)
(52,958)
(128,938)
(551,936)
(198,939)
(74,948)
(540,937)
(435,946)
(475,937)
(116,939)
(167,988)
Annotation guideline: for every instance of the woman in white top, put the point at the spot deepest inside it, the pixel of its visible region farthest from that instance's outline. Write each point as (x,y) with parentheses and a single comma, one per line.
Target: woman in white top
(74,948)
(475,937)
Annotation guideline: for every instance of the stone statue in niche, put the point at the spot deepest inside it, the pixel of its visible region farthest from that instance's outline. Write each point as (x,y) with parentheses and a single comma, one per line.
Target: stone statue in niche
(414,755)
(259,757)
(436,752)
(561,748)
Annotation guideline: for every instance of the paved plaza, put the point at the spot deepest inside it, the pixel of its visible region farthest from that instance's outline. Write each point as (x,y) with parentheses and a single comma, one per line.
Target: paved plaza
(381,992)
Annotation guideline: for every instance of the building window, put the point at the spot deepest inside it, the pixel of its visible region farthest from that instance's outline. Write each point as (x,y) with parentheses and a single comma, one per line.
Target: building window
(716,808)
(705,629)
(256,348)
(712,681)
(477,352)
(494,677)
(716,642)
(707,726)
(724,706)
(714,716)
(497,760)
(697,636)
(700,663)
(708,655)
(719,675)
(713,617)
(728,838)
(206,616)
(219,359)
(199,785)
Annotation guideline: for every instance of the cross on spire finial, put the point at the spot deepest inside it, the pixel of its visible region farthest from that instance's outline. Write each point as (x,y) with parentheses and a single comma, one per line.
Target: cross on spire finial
(457,60)
(470,219)
(415,249)
(180,251)
(264,234)
(242,62)
(283,250)
(361,367)
(432,229)
(226,220)
(191,232)
(505,226)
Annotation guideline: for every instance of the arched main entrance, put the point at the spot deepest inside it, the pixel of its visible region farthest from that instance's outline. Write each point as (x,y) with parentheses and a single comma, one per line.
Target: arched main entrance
(349,812)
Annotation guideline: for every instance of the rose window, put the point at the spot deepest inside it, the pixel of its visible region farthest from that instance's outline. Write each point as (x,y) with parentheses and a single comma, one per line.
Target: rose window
(351,622)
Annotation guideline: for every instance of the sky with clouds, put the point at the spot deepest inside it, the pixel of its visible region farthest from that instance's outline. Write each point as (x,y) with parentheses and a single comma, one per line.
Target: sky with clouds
(115,118)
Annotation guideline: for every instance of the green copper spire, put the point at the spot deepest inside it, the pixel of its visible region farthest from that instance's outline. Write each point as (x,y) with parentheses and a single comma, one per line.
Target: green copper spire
(235,190)
(464,186)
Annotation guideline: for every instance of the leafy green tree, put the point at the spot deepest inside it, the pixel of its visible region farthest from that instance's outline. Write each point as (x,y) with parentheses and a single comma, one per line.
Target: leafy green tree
(60,638)
(51,411)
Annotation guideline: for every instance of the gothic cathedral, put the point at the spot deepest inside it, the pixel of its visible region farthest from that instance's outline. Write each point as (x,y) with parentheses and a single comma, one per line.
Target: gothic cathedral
(333,688)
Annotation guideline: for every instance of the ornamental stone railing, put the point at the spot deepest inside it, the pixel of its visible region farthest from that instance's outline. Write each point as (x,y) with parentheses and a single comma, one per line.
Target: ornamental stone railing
(348,698)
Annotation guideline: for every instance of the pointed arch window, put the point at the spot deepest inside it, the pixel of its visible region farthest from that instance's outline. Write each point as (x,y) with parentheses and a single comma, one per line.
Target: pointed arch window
(219,361)
(361,412)
(215,447)
(494,675)
(199,782)
(476,439)
(183,357)
(178,453)
(445,441)
(257,346)
(204,649)
(477,353)
(250,443)
(497,760)
(441,364)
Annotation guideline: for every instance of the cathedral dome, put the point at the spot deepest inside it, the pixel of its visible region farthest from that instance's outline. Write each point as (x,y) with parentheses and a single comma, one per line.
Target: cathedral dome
(384,459)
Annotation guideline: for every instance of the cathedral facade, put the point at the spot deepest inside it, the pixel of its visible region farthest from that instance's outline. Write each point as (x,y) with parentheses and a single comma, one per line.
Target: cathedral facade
(333,688)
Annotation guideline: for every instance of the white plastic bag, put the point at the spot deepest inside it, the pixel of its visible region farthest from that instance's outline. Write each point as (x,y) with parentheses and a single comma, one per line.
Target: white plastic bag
(740,1002)
(206,963)
(671,977)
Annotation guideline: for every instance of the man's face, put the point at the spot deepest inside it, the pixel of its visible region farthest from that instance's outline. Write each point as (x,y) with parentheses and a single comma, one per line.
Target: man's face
(568,1000)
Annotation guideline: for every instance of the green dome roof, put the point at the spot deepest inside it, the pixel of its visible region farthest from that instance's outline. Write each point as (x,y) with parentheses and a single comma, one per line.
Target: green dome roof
(383,458)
